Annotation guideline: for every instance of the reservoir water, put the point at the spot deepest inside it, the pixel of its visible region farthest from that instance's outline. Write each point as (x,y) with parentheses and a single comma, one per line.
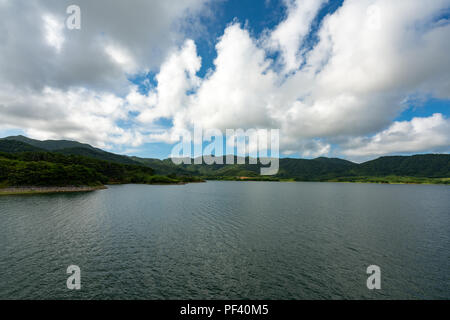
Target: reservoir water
(228,240)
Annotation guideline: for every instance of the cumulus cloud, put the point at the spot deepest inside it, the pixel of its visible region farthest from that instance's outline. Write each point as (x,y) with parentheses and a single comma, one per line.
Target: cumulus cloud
(114,36)
(86,115)
(61,83)
(339,94)
(237,94)
(419,134)
(176,77)
(370,57)
(289,34)
(54,32)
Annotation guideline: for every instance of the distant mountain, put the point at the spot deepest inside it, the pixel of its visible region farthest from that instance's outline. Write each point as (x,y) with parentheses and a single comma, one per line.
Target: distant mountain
(427,165)
(51,145)
(14,146)
(320,169)
(419,167)
(24,144)
(98,154)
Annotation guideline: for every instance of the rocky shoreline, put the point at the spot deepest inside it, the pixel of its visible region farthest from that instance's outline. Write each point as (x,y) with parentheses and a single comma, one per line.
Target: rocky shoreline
(43,190)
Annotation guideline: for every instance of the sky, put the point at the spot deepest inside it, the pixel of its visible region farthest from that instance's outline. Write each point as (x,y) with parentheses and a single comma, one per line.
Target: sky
(355,79)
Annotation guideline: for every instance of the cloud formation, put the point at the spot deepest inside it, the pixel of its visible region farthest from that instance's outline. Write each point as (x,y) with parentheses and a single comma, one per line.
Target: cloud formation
(337,96)
(61,83)
(418,135)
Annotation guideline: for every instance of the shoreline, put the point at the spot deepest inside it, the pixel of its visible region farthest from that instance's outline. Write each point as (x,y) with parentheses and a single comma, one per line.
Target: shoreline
(47,190)
(30,190)
(330,181)
(8,191)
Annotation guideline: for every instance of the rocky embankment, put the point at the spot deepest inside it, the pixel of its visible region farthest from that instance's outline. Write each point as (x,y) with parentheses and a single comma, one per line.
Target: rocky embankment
(37,190)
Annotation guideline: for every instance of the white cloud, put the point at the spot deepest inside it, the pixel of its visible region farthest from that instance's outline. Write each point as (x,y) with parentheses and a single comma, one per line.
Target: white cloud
(237,94)
(86,116)
(350,86)
(289,34)
(176,77)
(353,84)
(60,83)
(137,35)
(122,58)
(418,135)
(54,32)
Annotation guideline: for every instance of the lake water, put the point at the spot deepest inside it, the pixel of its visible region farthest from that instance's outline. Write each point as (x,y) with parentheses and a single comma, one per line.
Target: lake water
(228,240)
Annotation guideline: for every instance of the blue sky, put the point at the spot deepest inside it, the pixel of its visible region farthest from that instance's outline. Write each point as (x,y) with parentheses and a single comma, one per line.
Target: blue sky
(258,17)
(349,79)
(424,108)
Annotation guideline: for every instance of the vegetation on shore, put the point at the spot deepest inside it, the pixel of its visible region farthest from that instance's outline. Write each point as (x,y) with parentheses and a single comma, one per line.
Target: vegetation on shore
(393,180)
(60,163)
(380,180)
(418,169)
(53,169)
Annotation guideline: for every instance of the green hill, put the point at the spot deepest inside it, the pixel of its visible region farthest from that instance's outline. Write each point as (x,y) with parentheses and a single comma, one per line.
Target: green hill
(61,146)
(16,146)
(50,145)
(430,168)
(97,154)
(43,163)
(429,165)
(316,169)
(55,169)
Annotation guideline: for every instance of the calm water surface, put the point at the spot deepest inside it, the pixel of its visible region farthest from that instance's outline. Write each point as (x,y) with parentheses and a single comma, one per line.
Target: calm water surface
(228,240)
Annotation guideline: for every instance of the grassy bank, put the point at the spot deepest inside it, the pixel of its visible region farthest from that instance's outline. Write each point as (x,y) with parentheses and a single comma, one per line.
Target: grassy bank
(357,179)
(393,180)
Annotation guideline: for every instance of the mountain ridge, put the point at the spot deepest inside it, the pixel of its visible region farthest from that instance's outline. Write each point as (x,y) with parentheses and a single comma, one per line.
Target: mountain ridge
(67,147)
(319,169)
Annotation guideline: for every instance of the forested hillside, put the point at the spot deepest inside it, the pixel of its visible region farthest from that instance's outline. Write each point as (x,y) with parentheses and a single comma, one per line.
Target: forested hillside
(77,163)
(54,169)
